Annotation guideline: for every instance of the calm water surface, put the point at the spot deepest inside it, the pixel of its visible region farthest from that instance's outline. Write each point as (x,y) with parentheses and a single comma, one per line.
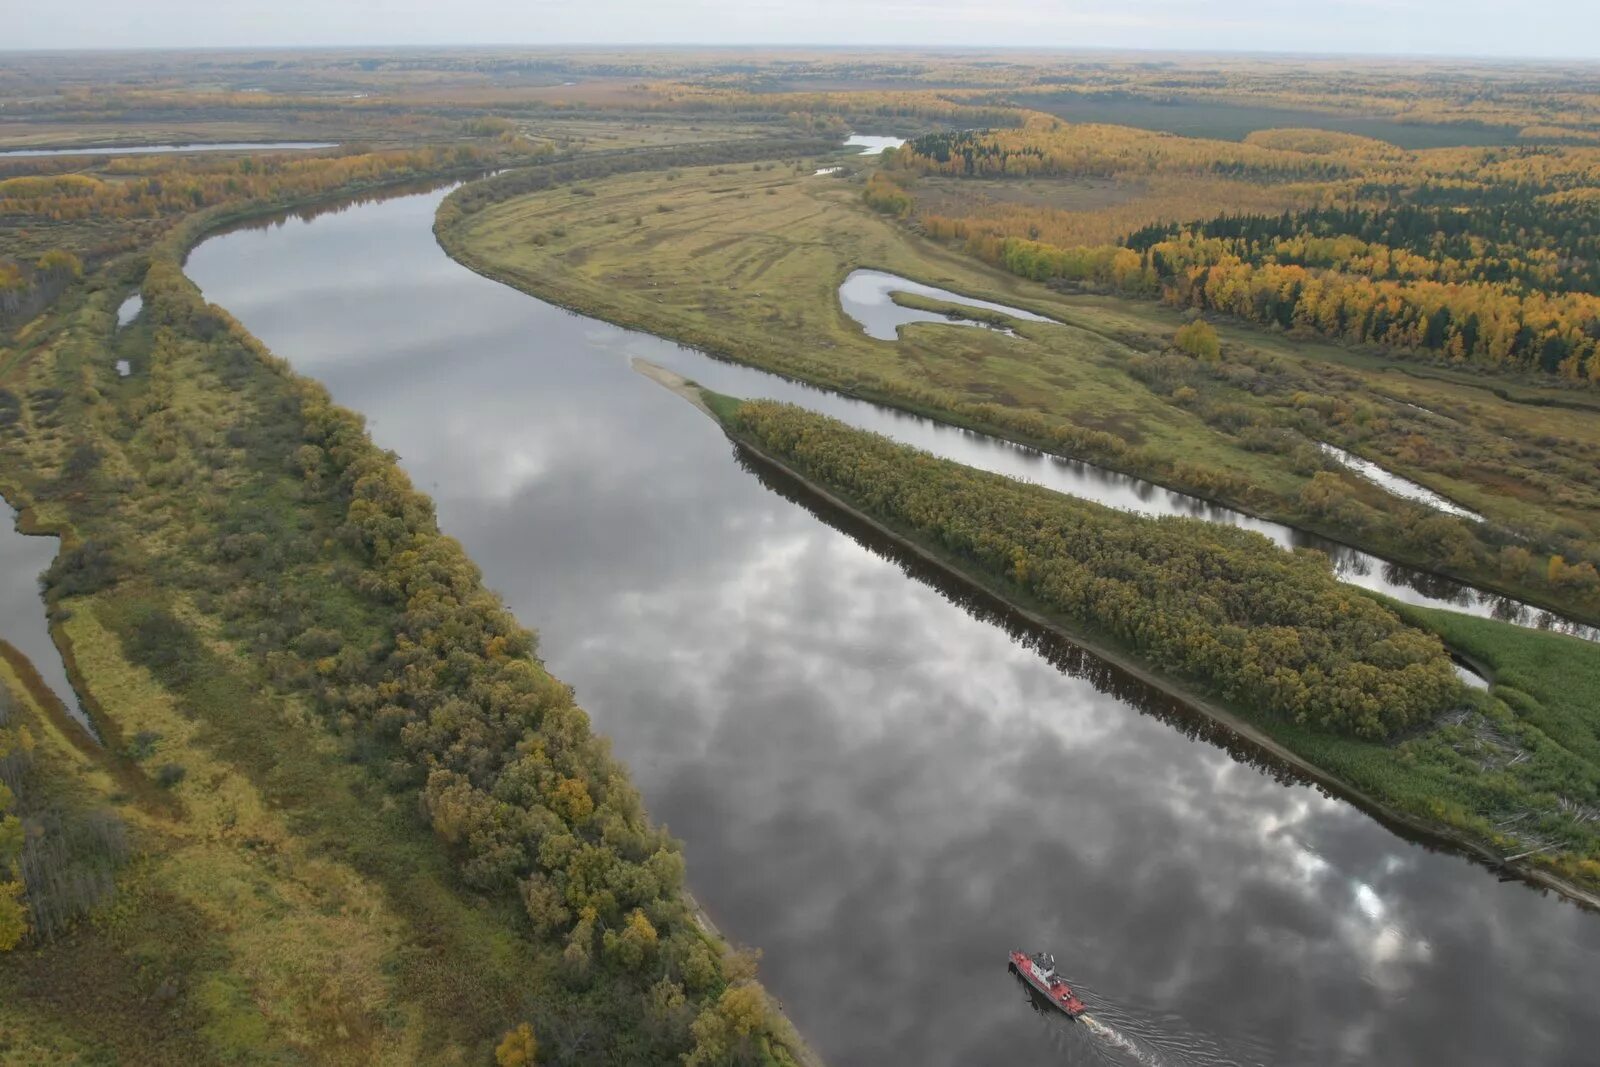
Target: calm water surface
(163,149)
(876,781)
(22,615)
(1395,484)
(870,145)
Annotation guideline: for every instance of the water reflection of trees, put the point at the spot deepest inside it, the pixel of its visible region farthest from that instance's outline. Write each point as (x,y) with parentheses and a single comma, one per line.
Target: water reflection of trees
(1071,659)
(339,205)
(1067,657)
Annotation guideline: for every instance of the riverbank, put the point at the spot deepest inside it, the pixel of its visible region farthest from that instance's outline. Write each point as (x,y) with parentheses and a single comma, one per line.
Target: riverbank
(1287,745)
(746,266)
(208,753)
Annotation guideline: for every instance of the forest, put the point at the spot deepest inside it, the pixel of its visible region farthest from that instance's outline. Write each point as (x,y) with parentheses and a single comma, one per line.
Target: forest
(1477,257)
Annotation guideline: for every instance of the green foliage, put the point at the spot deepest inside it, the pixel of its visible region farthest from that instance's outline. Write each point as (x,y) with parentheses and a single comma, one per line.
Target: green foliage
(1199,339)
(1262,627)
(13,910)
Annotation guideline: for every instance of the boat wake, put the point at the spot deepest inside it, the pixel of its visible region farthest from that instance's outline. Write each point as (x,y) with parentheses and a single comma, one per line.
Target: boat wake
(1114,1037)
(1113,1034)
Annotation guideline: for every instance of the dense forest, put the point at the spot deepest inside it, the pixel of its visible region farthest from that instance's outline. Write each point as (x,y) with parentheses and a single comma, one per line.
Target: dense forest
(1483,257)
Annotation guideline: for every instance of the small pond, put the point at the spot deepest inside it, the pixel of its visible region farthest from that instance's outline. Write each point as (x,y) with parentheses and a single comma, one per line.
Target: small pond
(22,613)
(129,309)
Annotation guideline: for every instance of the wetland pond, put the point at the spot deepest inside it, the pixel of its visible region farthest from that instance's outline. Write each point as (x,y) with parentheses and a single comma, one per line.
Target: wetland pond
(878,780)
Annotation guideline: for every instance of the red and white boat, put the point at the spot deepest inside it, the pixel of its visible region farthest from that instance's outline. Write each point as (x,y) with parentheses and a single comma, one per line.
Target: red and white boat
(1039,971)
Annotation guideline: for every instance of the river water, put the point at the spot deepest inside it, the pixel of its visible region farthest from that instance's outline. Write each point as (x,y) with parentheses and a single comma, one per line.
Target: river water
(167,149)
(885,786)
(23,624)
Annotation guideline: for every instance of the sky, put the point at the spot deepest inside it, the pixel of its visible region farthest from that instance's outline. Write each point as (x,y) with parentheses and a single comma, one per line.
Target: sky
(1529,28)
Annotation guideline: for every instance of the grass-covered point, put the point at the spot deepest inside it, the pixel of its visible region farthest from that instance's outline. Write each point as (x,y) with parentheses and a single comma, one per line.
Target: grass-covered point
(1215,604)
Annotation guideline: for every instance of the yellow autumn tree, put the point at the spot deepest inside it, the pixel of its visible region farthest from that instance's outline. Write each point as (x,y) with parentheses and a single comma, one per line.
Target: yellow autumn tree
(518,1048)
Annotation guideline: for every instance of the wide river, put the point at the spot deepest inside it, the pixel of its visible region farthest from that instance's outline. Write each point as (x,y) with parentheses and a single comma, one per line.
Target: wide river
(881,786)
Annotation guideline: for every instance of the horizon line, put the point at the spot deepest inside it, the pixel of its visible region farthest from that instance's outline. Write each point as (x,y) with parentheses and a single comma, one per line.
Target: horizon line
(815,46)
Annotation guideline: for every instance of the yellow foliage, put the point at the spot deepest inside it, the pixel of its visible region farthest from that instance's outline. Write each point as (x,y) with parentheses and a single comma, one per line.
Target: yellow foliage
(518,1048)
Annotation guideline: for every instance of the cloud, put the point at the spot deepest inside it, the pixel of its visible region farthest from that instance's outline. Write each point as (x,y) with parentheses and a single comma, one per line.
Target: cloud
(1470,27)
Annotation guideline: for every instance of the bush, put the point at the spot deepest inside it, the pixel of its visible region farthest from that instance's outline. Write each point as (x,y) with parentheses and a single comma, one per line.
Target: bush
(1199,339)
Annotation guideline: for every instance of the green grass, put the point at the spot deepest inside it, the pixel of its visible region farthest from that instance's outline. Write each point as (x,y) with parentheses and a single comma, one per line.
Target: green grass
(1551,680)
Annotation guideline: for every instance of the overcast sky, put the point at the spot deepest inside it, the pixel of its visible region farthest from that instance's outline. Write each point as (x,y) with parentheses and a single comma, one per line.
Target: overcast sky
(1559,28)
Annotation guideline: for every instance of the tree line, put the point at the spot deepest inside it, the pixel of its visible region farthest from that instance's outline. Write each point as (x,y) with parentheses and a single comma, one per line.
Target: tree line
(14,745)
(1480,256)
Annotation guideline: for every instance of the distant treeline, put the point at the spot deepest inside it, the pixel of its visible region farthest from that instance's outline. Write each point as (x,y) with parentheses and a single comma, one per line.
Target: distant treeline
(1267,629)
(1485,257)
(479,195)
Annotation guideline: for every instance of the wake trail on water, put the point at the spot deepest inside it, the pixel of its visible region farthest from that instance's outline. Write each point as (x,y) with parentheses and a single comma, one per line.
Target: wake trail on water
(1121,1034)
(1113,1037)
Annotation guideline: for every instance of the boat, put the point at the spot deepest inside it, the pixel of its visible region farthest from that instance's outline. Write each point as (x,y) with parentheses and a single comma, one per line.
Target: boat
(1038,971)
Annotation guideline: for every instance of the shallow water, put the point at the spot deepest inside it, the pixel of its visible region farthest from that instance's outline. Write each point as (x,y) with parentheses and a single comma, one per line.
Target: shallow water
(876,778)
(864,296)
(23,623)
(872,146)
(1394,483)
(867,297)
(129,309)
(162,149)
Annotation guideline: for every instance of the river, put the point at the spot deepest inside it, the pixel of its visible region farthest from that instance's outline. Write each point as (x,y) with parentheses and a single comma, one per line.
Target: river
(166,149)
(23,623)
(884,787)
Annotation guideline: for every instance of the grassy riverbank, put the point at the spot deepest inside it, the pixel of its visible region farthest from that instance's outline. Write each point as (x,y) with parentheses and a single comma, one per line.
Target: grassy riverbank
(1514,772)
(362,823)
(745,262)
